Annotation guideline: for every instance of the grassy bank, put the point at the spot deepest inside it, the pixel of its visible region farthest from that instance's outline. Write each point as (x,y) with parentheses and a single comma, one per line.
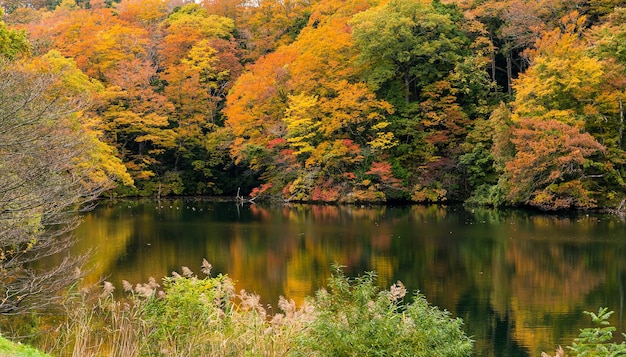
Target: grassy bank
(12,349)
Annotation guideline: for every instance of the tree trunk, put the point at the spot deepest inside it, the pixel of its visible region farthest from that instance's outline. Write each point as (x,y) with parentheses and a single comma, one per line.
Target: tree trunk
(621,121)
(407,84)
(509,72)
(493,64)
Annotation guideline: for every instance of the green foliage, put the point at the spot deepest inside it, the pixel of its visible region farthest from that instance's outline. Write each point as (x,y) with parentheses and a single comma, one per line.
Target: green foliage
(12,42)
(596,341)
(195,17)
(190,311)
(355,318)
(487,195)
(411,41)
(480,165)
(428,61)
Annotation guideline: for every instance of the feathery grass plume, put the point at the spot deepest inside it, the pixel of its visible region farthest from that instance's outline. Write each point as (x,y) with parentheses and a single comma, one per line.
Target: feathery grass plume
(145,290)
(559,353)
(287,306)
(206,267)
(128,287)
(397,291)
(153,284)
(107,289)
(187,273)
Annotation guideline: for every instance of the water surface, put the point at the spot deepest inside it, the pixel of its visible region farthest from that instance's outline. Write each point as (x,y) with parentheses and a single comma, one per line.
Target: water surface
(520,280)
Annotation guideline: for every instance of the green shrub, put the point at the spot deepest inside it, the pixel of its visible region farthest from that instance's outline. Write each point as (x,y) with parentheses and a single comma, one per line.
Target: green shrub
(205,317)
(595,341)
(190,315)
(194,316)
(355,318)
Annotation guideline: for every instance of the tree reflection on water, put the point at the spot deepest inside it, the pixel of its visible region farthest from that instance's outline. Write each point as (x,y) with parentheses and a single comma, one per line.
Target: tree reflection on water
(519,279)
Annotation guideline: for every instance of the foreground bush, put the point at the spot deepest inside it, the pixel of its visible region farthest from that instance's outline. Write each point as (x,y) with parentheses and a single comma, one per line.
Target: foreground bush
(595,341)
(191,316)
(354,318)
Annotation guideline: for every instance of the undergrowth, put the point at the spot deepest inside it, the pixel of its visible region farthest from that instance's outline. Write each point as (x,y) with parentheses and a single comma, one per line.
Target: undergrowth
(185,315)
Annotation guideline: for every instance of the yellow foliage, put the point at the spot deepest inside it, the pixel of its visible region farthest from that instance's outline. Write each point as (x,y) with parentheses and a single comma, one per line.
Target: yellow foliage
(302,122)
(383,141)
(562,81)
(428,194)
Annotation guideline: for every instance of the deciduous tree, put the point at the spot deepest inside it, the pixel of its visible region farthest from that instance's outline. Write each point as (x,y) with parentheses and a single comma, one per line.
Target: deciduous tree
(51,165)
(560,113)
(12,42)
(551,167)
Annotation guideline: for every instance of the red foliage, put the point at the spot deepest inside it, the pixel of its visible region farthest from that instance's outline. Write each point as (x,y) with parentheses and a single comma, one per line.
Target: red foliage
(326,194)
(257,191)
(385,176)
(351,146)
(549,166)
(276,142)
(382,169)
(326,191)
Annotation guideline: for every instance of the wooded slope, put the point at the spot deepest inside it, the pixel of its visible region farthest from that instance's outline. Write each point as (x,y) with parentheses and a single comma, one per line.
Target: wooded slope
(512,102)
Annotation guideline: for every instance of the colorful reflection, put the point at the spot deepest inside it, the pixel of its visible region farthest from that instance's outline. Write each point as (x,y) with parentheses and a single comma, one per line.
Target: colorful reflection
(519,280)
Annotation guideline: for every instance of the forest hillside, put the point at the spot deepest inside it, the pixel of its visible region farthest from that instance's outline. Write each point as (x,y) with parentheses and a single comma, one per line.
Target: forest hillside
(494,102)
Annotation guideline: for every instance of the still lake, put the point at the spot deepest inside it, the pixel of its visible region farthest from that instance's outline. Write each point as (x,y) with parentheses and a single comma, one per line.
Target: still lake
(520,280)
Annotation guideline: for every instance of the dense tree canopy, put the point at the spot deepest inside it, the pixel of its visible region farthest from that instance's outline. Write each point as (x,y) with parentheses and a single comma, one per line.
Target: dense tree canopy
(351,101)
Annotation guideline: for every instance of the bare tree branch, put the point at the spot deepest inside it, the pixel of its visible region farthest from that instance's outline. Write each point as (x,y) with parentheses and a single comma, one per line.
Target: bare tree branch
(42,185)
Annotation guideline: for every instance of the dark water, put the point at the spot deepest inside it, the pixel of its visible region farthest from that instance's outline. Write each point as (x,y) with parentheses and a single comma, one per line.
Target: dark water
(519,280)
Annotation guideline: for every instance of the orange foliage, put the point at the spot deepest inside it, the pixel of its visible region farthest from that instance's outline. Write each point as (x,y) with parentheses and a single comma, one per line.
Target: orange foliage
(145,12)
(548,170)
(306,94)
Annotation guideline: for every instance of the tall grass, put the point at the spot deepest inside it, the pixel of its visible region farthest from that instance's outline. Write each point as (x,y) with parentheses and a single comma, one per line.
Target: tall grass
(186,315)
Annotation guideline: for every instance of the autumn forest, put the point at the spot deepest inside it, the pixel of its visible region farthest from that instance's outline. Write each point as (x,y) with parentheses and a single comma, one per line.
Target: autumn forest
(490,102)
